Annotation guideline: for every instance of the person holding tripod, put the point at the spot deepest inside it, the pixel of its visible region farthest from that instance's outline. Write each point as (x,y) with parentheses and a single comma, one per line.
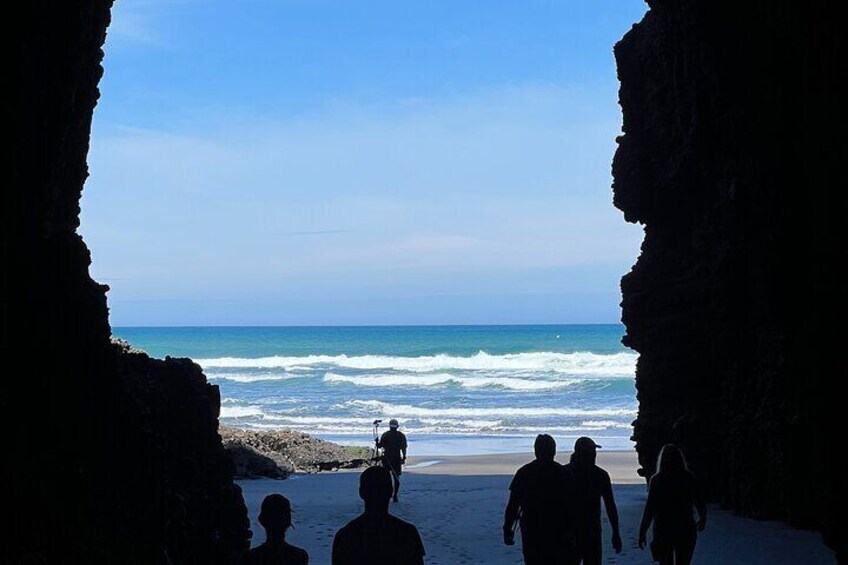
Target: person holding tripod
(393,443)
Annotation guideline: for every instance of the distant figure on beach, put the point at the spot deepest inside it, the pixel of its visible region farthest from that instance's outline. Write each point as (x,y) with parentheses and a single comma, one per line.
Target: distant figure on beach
(375,536)
(393,443)
(588,485)
(673,495)
(537,501)
(275,517)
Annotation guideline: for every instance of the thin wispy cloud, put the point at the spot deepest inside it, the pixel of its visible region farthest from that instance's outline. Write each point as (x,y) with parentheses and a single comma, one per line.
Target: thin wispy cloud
(477,182)
(314,232)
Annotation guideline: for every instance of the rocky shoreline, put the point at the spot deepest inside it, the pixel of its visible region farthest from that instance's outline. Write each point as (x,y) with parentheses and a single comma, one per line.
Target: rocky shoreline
(277,454)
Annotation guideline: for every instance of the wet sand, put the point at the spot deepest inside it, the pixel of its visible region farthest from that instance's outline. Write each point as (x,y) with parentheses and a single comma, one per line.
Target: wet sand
(457,503)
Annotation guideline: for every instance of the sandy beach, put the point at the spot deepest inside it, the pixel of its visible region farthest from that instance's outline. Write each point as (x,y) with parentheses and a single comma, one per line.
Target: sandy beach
(457,504)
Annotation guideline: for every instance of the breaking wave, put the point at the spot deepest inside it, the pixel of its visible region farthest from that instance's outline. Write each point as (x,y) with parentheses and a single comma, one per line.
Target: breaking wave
(580,363)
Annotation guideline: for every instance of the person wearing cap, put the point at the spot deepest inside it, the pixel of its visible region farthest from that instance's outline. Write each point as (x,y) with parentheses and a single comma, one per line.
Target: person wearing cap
(375,536)
(588,485)
(537,501)
(275,517)
(393,443)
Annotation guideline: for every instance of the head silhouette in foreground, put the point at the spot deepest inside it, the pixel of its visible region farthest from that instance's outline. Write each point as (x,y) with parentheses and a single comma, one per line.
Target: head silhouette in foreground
(588,485)
(673,496)
(394,445)
(375,536)
(275,517)
(538,504)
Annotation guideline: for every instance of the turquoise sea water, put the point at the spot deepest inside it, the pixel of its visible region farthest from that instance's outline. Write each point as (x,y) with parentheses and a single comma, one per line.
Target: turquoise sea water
(455,389)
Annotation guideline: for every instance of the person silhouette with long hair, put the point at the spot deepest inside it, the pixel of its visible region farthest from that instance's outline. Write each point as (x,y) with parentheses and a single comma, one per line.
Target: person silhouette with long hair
(275,517)
(375,536)
(673,494)
(588,485)
(537,502)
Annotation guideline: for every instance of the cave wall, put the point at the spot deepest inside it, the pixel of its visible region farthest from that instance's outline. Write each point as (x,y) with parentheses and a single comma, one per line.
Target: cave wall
(106,452)
(732,158)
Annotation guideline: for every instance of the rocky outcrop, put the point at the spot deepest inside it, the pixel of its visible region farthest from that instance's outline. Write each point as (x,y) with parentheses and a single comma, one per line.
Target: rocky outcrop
(120,452)
(278,453)
(732,159)
(250,463)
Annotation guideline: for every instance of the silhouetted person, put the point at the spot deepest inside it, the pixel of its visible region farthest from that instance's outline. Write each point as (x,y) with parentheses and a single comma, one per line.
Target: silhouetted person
(537,501)
(375,536)
(673,495)
(275,517)
(588,484)
(393,443)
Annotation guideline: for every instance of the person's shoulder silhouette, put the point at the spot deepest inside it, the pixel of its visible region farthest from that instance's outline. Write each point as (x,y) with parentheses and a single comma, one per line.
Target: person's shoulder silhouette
(589,485)
(376,536)
(538,502)
(275,517)
(379,539)
(586,478)
(276,554)
(536,482)
(393,440)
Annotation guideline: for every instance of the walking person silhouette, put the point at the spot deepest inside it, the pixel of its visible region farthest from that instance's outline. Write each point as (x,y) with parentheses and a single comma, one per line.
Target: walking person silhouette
(375,536)
(537,502)
(394,445)
(673,494)
(588,485)
(275,517)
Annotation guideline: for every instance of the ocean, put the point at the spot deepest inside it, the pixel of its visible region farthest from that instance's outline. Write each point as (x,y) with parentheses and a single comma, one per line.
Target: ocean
(455,389)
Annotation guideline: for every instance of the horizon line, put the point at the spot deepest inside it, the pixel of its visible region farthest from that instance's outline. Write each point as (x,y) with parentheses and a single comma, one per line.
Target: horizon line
(227,326)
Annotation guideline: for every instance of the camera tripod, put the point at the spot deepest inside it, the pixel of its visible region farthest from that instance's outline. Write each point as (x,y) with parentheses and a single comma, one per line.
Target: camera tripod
(376,455)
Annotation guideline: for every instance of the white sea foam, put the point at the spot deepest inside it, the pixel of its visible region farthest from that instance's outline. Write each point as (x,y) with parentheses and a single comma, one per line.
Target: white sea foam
(423,464)
(245,378)
(229,411)
(360,423)
(505,425)
(426,420)
(407,379)
(362,428)
(448,415)
(407,411)
(438,379)
(603,424)
(580,363)
(458,423)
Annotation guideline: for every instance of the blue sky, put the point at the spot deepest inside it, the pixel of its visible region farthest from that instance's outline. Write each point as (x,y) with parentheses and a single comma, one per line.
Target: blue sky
(323,162)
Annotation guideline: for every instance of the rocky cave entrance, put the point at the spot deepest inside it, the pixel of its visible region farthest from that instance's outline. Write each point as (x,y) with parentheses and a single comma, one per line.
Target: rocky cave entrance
(178,245)
(737,271)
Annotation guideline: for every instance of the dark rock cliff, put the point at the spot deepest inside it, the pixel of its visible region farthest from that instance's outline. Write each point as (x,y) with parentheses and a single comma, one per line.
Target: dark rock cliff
(108,453)
(732,157)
